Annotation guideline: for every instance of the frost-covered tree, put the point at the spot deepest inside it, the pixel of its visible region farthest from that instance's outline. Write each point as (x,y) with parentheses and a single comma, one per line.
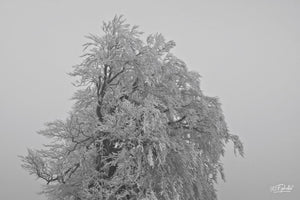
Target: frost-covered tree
(140,128)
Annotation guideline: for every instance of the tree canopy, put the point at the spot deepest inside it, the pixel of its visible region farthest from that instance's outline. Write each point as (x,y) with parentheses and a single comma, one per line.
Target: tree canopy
(140,127)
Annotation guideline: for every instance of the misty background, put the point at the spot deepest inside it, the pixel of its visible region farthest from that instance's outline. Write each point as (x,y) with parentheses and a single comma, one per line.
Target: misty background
(246,51)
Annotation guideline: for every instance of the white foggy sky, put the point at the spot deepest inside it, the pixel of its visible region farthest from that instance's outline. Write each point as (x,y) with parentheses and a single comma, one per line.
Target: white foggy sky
(246,51)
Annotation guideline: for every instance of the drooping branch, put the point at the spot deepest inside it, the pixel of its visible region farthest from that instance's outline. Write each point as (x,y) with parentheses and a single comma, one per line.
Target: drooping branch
(37,166)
